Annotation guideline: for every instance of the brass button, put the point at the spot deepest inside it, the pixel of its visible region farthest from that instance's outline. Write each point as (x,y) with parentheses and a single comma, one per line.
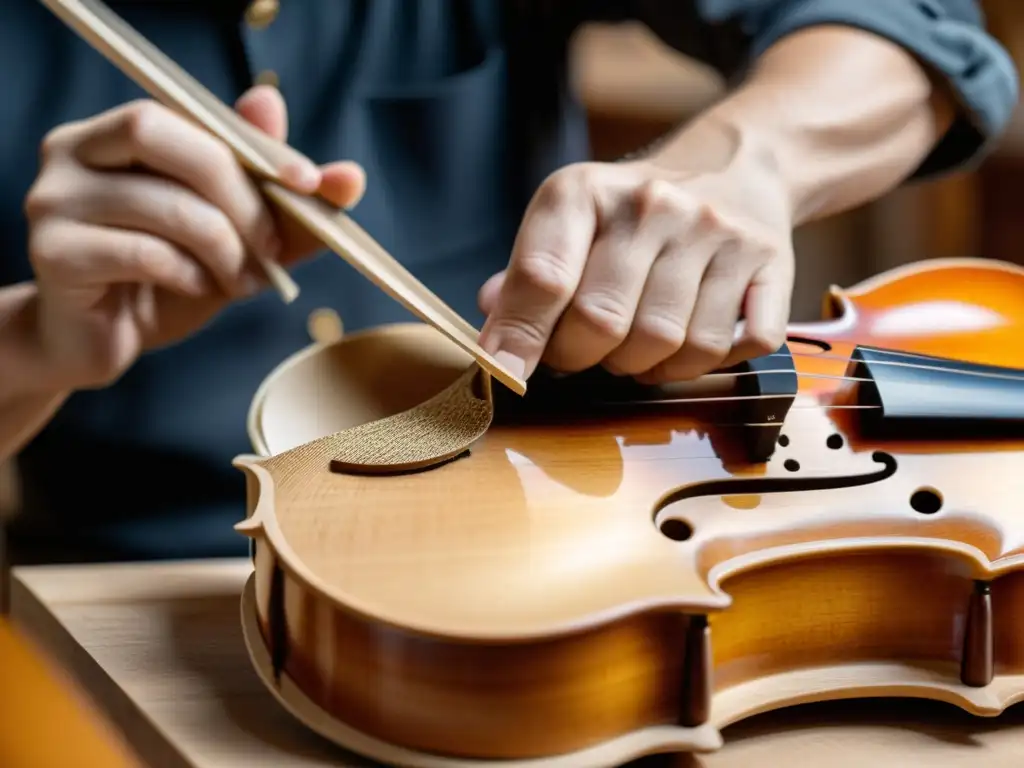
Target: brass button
(261,13)
(324,326)
(268,77)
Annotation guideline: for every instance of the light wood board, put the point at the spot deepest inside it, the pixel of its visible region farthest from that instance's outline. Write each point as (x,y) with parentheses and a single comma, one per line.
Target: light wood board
(159,647)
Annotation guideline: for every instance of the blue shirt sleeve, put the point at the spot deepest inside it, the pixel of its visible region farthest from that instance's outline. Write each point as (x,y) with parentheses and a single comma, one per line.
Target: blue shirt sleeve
(947,35)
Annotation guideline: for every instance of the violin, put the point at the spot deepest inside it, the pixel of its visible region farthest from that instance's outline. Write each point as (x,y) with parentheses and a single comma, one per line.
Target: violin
(449,574)
(451,571)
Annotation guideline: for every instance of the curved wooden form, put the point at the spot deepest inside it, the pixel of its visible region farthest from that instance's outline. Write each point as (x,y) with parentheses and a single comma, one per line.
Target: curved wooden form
(605,571)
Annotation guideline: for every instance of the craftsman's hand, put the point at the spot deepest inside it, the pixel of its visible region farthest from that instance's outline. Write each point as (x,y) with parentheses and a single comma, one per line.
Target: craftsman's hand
(143,226)
(646,271)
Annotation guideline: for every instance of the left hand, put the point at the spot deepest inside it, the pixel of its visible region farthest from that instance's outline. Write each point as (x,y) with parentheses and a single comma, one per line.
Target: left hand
(645,271)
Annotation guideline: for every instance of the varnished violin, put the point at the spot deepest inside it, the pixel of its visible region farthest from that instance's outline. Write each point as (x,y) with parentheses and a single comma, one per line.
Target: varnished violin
(446,574)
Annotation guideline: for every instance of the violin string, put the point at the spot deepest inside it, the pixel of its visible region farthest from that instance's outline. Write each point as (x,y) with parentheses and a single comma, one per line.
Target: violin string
(800,374)
(731,398)
(726,374)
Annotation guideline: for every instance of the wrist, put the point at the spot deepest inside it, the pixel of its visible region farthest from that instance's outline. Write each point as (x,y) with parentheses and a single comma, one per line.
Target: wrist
(726,141)
(23,360)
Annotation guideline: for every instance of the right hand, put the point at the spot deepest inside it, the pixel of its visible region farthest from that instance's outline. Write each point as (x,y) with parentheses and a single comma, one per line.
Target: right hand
(142,226)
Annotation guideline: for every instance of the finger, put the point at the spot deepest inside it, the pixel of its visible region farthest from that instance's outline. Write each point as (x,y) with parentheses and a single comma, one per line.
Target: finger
(487,296)
(712,326)
(264,107)
(343,186)
(70,254)
(665,307)
(547,262)
(601,312)
(343,183)
(152,136)
(168,210)
(767,307)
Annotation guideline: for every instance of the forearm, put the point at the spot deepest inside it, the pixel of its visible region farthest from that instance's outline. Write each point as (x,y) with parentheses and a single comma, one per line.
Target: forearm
(841,115)
(27,401)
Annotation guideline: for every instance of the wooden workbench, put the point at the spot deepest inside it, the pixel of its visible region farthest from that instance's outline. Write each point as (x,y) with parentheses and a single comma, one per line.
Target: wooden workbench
(159,648)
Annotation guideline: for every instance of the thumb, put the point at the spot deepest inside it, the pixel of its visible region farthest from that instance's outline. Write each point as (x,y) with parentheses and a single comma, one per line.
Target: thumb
(264,107)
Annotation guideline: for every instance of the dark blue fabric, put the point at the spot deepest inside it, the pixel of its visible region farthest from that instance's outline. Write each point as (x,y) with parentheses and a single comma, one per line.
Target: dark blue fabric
(456,108)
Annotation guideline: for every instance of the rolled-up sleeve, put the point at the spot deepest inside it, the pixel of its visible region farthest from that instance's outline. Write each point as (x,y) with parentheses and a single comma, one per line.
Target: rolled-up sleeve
(949,36)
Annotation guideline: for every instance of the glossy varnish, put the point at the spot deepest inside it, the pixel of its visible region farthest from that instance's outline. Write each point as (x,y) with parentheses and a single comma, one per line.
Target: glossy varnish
(586,574)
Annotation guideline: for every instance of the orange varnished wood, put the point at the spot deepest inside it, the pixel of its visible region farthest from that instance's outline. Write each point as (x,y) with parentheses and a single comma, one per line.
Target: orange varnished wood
(44,721)
(521,602)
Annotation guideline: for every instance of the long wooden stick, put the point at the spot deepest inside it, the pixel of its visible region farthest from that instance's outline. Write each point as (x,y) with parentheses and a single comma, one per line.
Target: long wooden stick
(168,83)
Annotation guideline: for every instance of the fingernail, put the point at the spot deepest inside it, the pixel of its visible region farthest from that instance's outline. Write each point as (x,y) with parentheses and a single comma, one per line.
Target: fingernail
(511,363)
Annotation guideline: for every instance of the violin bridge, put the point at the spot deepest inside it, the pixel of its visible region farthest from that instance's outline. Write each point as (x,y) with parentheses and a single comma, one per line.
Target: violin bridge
(770,385)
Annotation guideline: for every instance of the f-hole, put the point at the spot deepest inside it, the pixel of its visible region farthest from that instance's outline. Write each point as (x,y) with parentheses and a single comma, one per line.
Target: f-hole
(824,346)
(764,485)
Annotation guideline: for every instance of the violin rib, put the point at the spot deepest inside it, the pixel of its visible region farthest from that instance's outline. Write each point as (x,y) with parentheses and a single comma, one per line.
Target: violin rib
(591,581)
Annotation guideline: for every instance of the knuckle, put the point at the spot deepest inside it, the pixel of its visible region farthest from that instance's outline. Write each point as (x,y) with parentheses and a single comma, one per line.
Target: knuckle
(520,332)
(54,142)
(139,255)
(765,342)
(42,200)
(180,215)
(141,121)
(605,313)
(659,329)
(561,187)
(708,219)
(726,269)
(548,273)
(762,252)
(657,196)
(710,343)
(223,244)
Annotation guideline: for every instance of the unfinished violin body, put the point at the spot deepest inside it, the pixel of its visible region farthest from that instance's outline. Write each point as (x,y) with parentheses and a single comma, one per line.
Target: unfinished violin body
(446,574)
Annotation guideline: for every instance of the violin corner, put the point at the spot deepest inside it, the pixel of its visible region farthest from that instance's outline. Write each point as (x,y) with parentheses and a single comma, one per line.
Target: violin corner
(251,527)
(245,460)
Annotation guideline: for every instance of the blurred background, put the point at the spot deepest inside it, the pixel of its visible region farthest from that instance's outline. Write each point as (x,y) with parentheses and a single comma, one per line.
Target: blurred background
(636,88)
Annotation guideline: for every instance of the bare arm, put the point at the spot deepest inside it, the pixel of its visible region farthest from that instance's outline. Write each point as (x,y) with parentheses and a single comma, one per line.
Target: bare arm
(28,399)
(862,95)
(841,114)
